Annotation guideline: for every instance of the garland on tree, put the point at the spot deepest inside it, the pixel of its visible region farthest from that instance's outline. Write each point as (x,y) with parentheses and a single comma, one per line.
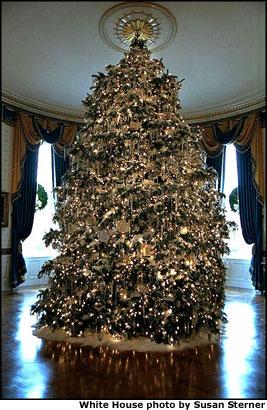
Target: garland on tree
(141,227)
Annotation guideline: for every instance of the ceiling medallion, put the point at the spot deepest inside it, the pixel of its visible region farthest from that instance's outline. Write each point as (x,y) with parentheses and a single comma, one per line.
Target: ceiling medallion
(121,24)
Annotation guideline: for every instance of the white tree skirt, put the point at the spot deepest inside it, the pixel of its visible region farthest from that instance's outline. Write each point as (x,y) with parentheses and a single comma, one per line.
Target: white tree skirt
(139,344)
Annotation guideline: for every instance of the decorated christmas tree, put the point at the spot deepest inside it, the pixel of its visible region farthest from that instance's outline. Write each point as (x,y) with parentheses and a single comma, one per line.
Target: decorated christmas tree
(141,226)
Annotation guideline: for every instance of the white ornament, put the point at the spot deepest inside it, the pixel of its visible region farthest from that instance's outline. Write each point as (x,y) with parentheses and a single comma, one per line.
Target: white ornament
(104,235)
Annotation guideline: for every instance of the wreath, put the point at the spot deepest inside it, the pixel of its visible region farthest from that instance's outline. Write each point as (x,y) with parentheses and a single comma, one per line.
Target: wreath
(234,200)
(41,198)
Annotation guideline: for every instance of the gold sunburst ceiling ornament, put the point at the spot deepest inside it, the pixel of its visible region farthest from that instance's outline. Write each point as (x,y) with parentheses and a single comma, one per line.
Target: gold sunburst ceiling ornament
(137,28)
(122,24)
(128,28)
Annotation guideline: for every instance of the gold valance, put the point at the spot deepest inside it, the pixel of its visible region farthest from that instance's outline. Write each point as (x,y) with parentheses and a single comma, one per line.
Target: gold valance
(249,135)
(25,133)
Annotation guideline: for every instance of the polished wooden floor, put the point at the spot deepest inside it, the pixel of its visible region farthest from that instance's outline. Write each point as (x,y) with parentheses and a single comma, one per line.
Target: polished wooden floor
(234,368)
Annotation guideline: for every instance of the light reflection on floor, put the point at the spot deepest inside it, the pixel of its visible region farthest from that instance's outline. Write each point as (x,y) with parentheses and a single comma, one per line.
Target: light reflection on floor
(29,346)
(238,344)
(37,369)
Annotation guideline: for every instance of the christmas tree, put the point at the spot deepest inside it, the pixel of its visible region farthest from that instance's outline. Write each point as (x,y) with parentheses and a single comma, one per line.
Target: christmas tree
(141,226)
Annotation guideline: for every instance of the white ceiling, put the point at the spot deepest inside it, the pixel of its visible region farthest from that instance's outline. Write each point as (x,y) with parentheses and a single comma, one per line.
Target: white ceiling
(51,49)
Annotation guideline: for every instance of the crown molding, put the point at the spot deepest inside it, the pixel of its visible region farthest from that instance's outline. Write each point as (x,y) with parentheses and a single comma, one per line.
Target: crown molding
(39,107)
(227,112)
(199,116)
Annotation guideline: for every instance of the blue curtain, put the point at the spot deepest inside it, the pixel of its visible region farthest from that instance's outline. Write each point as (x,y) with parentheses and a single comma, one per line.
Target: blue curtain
(216,159)
(250,208)
(23,214)
(230,135)
(218,164)
(60,164)
(250,214)
(49,136)
(60,160)
(24,198)
(8,115)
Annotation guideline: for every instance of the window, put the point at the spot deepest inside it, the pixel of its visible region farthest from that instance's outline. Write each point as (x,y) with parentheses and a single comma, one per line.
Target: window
(34,245)
(239,248)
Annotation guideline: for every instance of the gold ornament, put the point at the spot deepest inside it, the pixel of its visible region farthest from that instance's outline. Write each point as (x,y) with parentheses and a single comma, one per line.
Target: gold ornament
(123,227)
(86,272)
(141,288)
(159,276)
(183,230)
(135,125)
(146,250)
(124,295)
(91,219)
